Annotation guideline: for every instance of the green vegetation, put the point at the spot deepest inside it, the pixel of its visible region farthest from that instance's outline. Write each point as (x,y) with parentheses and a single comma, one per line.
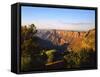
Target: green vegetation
(50,54)
(84,58)
(33,57)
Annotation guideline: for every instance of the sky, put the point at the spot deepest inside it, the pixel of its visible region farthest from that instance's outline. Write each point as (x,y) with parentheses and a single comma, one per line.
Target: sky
(58,18)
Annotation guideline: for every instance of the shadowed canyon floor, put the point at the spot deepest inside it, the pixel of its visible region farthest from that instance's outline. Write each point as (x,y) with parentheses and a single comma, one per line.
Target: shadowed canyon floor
(57,49)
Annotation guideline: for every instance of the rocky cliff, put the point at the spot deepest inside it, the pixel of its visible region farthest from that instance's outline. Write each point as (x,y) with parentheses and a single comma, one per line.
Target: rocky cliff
(74,40)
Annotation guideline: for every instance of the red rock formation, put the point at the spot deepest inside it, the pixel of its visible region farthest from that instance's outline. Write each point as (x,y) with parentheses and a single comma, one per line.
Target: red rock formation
(74,39)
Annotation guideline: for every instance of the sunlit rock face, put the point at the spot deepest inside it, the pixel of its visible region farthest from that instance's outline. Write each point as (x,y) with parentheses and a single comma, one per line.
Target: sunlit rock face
(75,40)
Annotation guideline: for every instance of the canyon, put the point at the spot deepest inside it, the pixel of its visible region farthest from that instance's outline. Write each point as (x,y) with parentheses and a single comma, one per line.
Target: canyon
(74,40)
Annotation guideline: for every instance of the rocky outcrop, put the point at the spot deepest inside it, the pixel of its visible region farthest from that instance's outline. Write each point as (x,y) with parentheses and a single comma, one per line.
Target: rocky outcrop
(75,40)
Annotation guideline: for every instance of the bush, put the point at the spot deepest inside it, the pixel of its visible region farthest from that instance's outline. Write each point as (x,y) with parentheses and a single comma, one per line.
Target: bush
(25,63)
(83,58)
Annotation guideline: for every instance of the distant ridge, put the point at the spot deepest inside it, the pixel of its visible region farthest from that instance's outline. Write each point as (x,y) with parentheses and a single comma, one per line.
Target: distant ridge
(73,39)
